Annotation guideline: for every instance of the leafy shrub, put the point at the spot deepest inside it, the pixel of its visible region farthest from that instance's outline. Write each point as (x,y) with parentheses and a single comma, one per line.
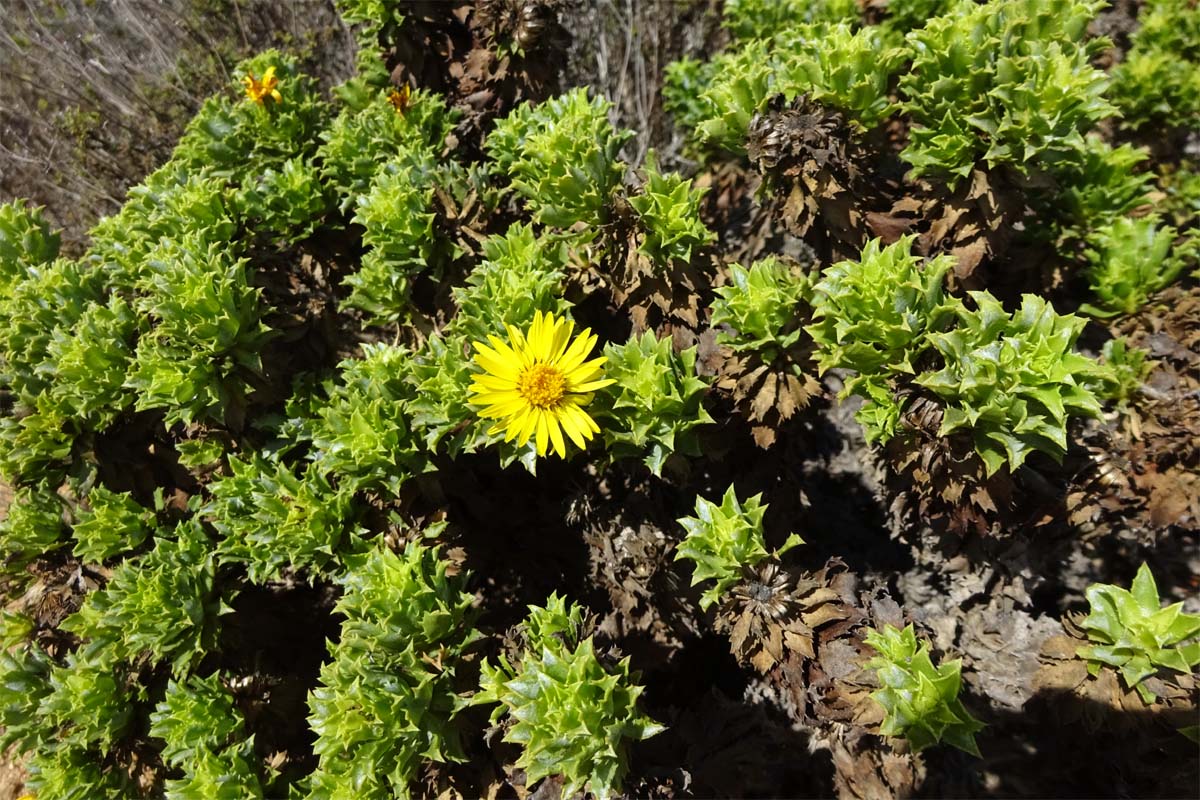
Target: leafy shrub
(387,699)
(1008,82)
(1130,632)
(24,683)
(360,140)
(683,82)
(233,138)
(397,215)
(26,240)
(760,19)
(920,700)
(88,699)
(36,444)
(203,352)
(358,428)
(570,713)
(724,541)
(272,519)
(73,772)
(1014,381)
(284,204)
(656,403)
(112,523)
(668,210)
(164,604)
(763,306)
(1131,259)
(562,157)
(872,315)
(1158,83)
(519,276)
(33,526)
(89,362)
(840,67)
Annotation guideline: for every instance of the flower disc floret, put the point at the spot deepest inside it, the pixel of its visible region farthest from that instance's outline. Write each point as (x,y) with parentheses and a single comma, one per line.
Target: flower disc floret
(537,384)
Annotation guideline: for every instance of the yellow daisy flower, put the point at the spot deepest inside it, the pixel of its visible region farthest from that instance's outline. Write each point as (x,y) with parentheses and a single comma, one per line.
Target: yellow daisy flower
(257,90)
(538,383)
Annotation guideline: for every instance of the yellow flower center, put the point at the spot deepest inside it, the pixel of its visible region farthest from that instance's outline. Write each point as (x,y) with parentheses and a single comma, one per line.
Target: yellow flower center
(542,385)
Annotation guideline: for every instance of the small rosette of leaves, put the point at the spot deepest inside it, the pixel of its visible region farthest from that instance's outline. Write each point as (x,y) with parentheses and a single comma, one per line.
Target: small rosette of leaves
(656,403)
(387,701)
(203,355)
(284,205)
(842,66)
(204,736)
(272,519)
(32,527)
(1158,83)
(90,362)
(1008,82)
(725,541)
(72,771)
(26,239)
(1128,369)
(763,306)
(112,523)
(872,315)
(360,139)
(520,275)
(1130,631)
(24,683)
(742,80)
(920,700)
(1096,189)
(668,211)
(171,203)
(1130,259)
(89,703)
(1013,381)
(562,157)
(399,229)
(165,604)
(358,428)
(571,713)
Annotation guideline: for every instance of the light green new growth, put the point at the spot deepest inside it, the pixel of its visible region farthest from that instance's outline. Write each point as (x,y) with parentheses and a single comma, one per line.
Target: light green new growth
(562,157)
(668,210)
(271,519)
(920,700)
(764,306)
(724,541)
(1008,82)
(387,701)
(1131,632)
(112,524)
(873,315)
(1130,259)
(656,403)
(570,713)
(1014,381)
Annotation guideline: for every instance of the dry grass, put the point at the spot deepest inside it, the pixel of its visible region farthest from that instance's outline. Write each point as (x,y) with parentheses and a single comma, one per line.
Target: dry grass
(94,94)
